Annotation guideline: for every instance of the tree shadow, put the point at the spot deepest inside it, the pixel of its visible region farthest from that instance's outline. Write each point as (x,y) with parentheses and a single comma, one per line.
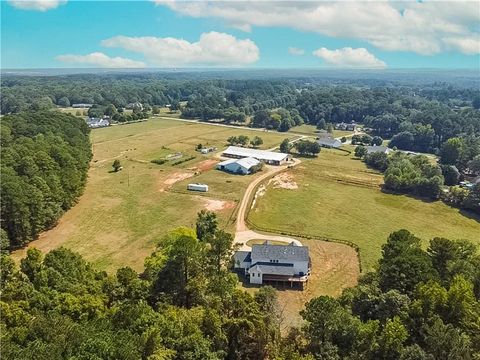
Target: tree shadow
(470,214)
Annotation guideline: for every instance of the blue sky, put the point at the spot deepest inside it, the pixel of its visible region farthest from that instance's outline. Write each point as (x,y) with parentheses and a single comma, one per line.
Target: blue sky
(56,33)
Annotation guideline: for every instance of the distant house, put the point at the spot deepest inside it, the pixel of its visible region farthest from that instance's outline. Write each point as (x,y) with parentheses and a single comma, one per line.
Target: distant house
(82,106)
(238,166)
(329,142)
(97,123)
(208,150)
(197,187)
(136,105)
(274,263)
(374,149)
(269,157)
(345,126)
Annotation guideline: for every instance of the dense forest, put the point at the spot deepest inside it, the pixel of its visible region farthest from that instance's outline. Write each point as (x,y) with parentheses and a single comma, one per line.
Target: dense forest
(418,117)
(420,304)
(45,157)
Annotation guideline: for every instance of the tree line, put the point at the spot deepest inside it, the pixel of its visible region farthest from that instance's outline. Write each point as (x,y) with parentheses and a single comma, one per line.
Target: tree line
(416,174)
(45,158)
(185,304)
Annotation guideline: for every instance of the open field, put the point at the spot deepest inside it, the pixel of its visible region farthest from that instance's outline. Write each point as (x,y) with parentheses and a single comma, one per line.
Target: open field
(121,216)
(339,197)
(334,268)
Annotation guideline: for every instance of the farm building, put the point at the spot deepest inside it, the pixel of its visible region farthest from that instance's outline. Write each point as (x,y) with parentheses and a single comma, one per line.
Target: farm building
(329,142)
(197,187)
(208,150)
(345,126)
(97,123)
(269,157)
(239,166)
(81,106)
(374,149)
(275,263)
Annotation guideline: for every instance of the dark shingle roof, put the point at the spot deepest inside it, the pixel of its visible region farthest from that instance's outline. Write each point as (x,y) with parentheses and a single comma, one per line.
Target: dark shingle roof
(242,256)
(273,268)
(280,252)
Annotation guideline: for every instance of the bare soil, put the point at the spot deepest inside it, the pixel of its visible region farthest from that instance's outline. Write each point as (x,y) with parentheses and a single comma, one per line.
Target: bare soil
(283,180)
(204,165)
(174,178)
(216,205)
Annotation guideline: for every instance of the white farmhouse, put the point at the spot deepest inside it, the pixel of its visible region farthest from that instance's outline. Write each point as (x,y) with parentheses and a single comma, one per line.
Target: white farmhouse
(239,166)
(374,149)
(275,263)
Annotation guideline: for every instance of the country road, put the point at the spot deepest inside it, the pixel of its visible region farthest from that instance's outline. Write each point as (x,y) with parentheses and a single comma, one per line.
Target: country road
(242,233)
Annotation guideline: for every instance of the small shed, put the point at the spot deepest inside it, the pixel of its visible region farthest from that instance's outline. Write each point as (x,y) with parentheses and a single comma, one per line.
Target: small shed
(197,187)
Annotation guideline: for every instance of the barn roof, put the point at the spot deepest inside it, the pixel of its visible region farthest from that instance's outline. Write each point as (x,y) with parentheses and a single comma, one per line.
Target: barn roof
(255,153)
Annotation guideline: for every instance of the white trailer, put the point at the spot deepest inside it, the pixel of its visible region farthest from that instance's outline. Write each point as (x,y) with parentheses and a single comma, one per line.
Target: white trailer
(197,187)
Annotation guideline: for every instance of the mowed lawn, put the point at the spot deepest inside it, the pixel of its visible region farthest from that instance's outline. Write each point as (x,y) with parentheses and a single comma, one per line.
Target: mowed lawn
(339,197)
(121,216)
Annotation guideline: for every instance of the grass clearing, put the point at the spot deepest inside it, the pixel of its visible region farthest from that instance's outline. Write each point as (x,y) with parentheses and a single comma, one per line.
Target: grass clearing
(121,216)
(339,197)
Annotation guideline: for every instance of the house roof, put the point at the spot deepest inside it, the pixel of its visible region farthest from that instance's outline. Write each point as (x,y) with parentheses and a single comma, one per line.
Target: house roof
(273,268)
(290,252)
(330,141)
(255,153)
(383,149)
(242,256)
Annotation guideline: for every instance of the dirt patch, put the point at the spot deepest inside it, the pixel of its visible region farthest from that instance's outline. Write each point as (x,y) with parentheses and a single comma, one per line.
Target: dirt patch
(216,205)
(174,178)
(206,165)
(260,192)
(283,181)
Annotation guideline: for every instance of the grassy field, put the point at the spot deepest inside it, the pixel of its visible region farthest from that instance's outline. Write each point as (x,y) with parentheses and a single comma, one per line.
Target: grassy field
(339,197)
(121,216)
(313,131)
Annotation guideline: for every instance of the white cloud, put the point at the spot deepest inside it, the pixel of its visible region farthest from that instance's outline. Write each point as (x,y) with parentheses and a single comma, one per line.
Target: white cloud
(348,57)
(38,5)
(101,60)
(212,49)
(296,51)
(425,27)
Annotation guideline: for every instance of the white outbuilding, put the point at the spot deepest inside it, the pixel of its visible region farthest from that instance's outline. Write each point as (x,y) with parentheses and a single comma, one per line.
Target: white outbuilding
(269,157)
(239,166)
(197,187)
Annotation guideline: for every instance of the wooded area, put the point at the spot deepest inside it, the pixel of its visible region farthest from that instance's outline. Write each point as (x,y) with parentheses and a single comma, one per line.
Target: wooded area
(45,158)
(185,305)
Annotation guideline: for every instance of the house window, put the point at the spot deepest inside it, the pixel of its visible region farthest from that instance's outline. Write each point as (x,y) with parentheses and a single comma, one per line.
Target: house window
(253,274)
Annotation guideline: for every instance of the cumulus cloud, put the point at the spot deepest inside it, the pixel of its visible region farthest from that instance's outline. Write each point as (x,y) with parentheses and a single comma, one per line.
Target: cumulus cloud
(212,49)
(101,60)
(38,5)
(348,57)
(426,27)
(296,51)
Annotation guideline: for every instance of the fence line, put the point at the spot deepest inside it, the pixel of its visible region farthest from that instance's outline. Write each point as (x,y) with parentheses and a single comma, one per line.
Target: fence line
(254,226)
